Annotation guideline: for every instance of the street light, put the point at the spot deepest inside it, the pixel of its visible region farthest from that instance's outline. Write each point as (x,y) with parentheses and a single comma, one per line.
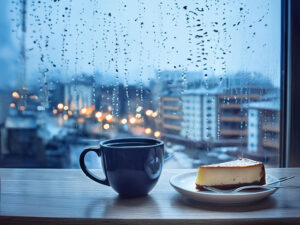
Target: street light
(124,121)
(15,94)
(132,120)
(98,114)
(60,106)
(83,111)
(148,130)
(109,117)
(149,112)
(157,134)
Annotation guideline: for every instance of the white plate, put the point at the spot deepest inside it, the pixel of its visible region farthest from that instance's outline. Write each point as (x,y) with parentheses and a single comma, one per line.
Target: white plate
(184,183)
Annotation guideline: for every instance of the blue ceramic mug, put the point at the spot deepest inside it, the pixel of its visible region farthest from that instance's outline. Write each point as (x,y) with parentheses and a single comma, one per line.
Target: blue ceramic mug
(131,166)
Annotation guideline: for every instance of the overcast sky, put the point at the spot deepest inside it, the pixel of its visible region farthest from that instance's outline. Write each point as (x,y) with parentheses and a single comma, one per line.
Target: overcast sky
(130,40)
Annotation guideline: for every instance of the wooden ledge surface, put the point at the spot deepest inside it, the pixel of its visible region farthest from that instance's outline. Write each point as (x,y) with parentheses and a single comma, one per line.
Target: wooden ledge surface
(67,196)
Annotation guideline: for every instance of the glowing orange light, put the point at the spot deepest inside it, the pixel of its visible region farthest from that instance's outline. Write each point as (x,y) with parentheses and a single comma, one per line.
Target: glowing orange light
(132,120)
(60,106)
(106,126)
(54,111)
(80,120)
(109,117)
(98,115)
(124,121)
(33,97)
(157,134)
(66,107)
(83,111)
(66,117)
(154,114)
(12,105)
(70,113)
(148,130)
(22,108)
(149,112)
(15,94)
(89,110)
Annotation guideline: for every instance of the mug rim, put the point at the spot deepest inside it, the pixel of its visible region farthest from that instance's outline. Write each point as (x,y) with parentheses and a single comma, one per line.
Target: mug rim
(137,139)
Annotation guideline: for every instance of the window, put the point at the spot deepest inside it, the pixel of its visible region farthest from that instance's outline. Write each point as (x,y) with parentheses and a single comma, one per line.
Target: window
(76,72)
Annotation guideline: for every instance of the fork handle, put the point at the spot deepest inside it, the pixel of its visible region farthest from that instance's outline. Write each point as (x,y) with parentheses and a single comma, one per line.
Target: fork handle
(280,180)
(264,186)
(281,186)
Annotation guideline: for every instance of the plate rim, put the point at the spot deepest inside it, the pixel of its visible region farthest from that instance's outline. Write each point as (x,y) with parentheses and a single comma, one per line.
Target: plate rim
(209,193)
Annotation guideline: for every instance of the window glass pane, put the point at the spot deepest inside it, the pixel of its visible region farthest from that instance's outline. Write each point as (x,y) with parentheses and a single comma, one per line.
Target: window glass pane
(204,76)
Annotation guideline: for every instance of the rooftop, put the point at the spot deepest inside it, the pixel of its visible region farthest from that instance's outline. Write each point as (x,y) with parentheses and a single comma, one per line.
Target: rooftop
(270,105)
(204,91)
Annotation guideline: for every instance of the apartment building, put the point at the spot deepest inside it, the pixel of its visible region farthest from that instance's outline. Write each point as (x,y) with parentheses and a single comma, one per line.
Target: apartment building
(200,114)
(240,90)
(218,115)
(264,129)
(171,115)
(233,113)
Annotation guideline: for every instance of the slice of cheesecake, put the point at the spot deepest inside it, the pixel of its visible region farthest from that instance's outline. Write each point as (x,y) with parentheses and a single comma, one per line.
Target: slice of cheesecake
(231,174)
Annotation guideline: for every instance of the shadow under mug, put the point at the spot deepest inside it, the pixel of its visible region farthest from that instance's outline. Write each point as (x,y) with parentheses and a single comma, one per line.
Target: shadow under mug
(131,166)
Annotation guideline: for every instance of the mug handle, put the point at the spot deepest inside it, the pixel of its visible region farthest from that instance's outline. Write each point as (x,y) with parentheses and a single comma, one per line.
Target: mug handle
(98,151)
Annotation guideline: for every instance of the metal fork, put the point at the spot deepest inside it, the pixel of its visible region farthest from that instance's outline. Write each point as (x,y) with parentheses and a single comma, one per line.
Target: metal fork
(266,186)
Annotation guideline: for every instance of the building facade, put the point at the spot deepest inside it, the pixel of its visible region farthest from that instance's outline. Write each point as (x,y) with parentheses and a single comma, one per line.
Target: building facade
(79,94)
(171,115)
(264,130)
(200,115)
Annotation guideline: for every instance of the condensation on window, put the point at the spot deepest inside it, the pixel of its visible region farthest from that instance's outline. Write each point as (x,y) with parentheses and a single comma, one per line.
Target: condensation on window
(204,76)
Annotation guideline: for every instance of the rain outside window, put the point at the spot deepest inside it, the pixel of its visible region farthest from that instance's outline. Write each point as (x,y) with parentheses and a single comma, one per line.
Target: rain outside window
(204,76)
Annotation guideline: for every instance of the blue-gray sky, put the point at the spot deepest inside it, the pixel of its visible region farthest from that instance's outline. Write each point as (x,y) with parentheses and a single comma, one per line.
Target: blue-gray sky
(137,38)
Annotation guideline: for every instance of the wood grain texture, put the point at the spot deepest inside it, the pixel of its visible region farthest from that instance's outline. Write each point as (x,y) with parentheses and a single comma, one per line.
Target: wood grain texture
(51,196)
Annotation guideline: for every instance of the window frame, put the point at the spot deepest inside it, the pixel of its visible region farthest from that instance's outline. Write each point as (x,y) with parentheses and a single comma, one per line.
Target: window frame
(290,154)
(283,86)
